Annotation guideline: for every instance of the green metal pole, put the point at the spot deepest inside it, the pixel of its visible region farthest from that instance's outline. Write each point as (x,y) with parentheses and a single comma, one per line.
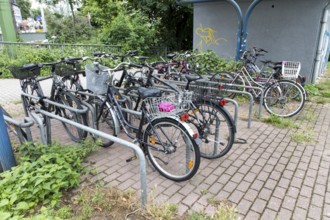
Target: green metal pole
(7,24)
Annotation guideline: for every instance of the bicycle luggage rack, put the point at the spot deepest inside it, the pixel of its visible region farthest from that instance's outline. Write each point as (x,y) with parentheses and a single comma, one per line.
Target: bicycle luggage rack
(48,115)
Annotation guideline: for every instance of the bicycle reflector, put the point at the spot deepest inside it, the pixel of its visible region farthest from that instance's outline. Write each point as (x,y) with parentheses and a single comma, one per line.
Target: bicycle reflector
(220,87)
(195,136)
(222,102)
(190,164)
(184,117)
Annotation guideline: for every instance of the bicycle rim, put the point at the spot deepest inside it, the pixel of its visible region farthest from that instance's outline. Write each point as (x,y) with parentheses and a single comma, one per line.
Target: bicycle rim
(284,98)
(171,149)
(215,128)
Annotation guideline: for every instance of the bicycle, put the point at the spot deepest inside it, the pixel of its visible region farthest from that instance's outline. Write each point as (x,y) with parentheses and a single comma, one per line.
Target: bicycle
(30,85)
(282,97)
(168,142)
(210,119)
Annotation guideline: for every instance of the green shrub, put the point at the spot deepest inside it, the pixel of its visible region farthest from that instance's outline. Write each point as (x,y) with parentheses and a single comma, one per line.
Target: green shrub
(41,176)
(209,62)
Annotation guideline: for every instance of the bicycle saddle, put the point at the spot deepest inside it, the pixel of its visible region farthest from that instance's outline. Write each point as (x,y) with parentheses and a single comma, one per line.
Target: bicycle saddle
(170,55)
(148,92)
(191,78)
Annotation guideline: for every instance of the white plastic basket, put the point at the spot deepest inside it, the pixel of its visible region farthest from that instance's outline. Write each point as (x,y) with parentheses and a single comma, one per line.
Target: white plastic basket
(170,105)
(97,78)
(290,69)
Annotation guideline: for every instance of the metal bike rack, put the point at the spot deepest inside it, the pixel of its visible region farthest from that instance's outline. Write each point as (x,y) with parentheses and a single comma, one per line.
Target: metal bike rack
(122,142)
(26,124)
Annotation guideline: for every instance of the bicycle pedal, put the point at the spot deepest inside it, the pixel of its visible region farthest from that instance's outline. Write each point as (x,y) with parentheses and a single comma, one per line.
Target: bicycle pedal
(131,159)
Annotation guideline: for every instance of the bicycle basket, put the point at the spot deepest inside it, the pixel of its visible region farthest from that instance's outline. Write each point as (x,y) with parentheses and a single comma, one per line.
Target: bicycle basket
(21,73)
(169,105)
(290,69)
(97,78)
(64,69)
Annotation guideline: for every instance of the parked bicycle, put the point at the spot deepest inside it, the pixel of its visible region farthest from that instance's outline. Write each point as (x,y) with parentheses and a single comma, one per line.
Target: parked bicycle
(282,97)
(210,119)
(169,143)
(30,84)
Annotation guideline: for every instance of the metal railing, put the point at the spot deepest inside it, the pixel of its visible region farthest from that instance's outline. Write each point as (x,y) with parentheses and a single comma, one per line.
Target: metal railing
(136,148)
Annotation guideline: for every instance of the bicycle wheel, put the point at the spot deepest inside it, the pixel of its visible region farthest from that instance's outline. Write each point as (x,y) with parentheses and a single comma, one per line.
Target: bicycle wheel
(215,127)
(284,98)
(104,120)
(68,99)
(229,78)
(31,88)
(171,149)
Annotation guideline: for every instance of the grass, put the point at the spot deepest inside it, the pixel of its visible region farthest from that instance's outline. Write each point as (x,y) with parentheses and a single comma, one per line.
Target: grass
(280,122)
(99,202)
(303,136)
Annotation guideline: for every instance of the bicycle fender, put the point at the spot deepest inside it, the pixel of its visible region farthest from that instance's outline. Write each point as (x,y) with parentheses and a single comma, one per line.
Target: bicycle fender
(185,125)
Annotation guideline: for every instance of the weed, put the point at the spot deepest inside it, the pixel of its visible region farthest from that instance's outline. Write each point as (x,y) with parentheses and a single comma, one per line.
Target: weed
(213,201)
(280,122)
(165,212)
(204,192)
(311,90)
(198,216)
(320,100)
(225,211)
(326,93)
(303,136)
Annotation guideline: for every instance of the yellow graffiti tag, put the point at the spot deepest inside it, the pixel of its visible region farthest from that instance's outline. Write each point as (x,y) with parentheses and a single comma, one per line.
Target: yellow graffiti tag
(207,36)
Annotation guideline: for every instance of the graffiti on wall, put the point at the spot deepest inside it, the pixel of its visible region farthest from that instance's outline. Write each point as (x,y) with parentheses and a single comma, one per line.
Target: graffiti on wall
(207,36)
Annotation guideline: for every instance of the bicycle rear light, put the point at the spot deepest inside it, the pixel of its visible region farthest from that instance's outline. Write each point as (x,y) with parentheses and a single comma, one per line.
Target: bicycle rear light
(184,117)
(195,136)
(222,102)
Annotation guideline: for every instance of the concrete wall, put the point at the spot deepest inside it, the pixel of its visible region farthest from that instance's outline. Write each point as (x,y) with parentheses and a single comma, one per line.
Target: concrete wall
(288,29)
(28,37)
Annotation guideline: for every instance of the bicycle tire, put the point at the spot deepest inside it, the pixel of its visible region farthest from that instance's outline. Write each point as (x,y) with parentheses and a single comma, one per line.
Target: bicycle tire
(74,86)
(229,78)
(67,98)
(104,121)
(175,163)
(284,98)
(32,89)
(215,127)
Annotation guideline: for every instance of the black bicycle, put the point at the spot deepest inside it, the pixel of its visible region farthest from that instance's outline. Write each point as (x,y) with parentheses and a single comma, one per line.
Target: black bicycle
(30,84)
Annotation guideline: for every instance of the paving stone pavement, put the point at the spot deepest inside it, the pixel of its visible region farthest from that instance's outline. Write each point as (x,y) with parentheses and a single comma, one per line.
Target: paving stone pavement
(269,177)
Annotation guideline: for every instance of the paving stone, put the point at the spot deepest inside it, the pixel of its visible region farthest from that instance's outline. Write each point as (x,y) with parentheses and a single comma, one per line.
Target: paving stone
(274,204)
(299,214)
(268,214)
(252,215)
(190,199)
(289,203)
(284,214)
(315,212)
(236,196)
(251,195)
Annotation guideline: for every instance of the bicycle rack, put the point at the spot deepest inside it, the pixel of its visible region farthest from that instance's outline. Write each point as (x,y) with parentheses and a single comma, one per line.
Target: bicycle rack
(28,122)
(48,116)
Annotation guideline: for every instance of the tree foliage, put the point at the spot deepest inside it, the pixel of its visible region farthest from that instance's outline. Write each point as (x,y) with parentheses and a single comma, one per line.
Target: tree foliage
(65,30)
(176,22)
(172,25)
(25,6)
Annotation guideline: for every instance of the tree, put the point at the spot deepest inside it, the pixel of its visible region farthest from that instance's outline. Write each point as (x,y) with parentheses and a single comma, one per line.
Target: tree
(25,7)
(176,22)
